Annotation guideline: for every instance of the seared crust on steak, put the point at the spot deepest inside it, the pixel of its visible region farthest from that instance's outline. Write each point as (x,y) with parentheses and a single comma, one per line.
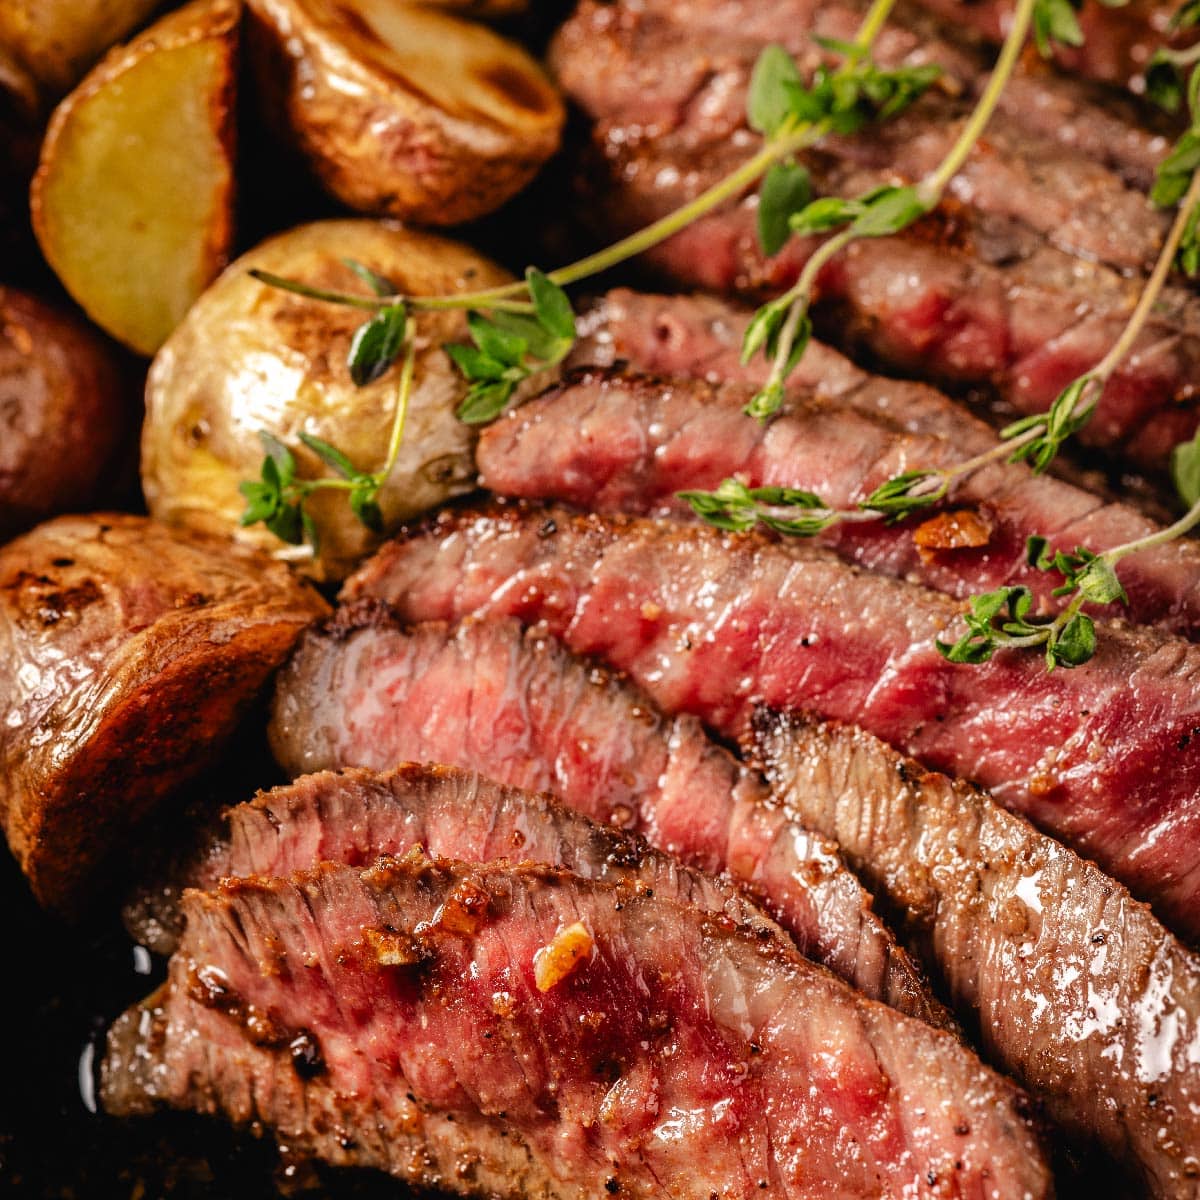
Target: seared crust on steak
(680,1056)
(128,653)
(1076,990)
(356,815)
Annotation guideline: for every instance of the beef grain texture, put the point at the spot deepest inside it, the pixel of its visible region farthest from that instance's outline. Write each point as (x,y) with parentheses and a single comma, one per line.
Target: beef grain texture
(365,691)
(1105,757)
(1022,280)
(612,441)
(1078,992)
(356,815)
(682,1057)
(128,653)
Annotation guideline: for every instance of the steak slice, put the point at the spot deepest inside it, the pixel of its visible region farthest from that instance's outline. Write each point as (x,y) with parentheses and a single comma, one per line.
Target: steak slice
(1078,991)
(612,441)
(518,708)
(670,1054)
(1105,756)
(356,815)
(978,311)
(1005,286)
(699,335)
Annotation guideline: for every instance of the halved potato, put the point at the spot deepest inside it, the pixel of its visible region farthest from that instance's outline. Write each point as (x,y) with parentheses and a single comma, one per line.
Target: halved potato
(58,40)
(129,652)
(403,110)
(133,198)
(249,357)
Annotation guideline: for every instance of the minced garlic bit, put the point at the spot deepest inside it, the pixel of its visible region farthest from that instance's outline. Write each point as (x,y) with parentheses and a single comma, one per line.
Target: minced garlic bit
(553,963)
(392,949)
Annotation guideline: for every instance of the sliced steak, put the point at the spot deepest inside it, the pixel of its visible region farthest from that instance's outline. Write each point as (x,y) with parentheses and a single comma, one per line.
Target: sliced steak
(354,816)
(612,441)
(1077,990)
(655,90)
(691,86)
(699,335)
(1006,285)
(1106,756)
(535,1034)
(518,708)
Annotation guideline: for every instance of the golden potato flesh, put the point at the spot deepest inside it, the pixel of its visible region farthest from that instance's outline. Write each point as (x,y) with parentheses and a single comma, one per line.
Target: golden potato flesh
(249,357)
(64,415)
(133,197)
(58,40)
(404,110)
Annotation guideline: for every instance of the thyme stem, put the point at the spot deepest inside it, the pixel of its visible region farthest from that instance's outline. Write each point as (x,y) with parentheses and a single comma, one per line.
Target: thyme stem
(799,297)
(1185,524)
(1154,285)
(933,186)
(401,416)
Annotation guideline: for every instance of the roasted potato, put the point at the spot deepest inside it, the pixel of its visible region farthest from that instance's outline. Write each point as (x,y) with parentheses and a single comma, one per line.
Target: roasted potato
(64,416)
(133,197)
(128,653)
(250,357)
(58,40)
(403,110)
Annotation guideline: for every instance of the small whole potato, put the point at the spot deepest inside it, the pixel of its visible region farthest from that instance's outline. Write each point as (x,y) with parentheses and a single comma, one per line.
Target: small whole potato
(403,110)
(250,357)
(64,416)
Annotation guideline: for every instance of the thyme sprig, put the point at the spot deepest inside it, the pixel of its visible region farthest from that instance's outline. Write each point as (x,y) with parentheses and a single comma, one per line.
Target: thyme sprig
(1000,619)
(1037,438)
(791,114)
(782,328)
(278,498)
(521,329)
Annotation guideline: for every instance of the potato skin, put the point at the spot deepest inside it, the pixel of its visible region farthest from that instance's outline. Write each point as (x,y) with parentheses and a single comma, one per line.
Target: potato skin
(128,653)
(379,142)
(249,357)
(58,40)
(64,415)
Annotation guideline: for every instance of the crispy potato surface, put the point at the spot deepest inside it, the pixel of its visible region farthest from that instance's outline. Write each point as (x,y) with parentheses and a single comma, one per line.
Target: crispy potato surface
(128,653)
(64,414)
(250,357)
(133,198)
(405,110)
